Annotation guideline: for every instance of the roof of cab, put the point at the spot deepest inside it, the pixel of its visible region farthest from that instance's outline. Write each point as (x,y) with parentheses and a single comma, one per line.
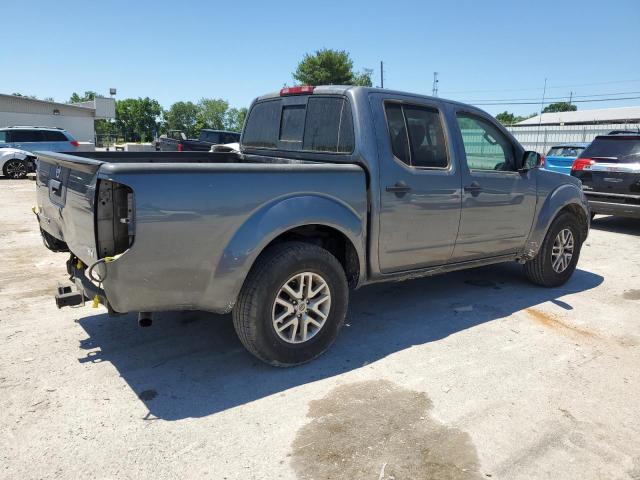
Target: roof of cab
(342,89)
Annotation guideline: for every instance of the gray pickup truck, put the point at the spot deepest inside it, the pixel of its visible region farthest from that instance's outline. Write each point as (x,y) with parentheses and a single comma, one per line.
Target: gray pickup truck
(334,188)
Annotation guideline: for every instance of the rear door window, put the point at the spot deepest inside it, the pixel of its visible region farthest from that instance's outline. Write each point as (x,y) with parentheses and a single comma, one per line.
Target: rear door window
(565,151)
(26,136)
(53,136)
(416,134)
(614,149)
(3,136)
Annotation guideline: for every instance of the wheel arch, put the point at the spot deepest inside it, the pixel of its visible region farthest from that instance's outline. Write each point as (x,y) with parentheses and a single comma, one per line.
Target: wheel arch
(321,220)
(566,198)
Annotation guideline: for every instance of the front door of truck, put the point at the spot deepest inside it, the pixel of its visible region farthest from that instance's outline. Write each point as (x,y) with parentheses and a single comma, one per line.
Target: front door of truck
(420,189)
(498,202)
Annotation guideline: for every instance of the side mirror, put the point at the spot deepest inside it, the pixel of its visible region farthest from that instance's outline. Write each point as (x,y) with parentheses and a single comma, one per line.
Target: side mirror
(530,160)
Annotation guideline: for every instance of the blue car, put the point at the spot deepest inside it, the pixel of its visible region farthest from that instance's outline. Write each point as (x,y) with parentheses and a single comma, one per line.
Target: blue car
(560,157)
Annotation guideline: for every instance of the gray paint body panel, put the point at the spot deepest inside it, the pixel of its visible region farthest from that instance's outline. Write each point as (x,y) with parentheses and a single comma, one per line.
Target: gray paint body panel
(199,227)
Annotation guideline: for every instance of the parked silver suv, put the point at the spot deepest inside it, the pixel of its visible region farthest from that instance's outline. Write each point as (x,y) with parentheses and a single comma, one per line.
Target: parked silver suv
(17,143)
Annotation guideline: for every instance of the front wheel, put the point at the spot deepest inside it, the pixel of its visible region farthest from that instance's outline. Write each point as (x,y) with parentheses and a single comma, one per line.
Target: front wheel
(559,253)
(292,304)
(15,168)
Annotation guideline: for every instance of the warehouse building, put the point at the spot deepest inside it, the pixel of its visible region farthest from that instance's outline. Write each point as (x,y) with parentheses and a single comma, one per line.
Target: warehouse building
(77,119)
(541,132)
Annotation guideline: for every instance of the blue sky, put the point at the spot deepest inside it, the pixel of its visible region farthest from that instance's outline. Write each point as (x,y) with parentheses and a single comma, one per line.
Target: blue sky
(187,50)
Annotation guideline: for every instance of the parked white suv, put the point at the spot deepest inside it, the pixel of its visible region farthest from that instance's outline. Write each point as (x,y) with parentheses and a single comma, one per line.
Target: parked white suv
(17,144)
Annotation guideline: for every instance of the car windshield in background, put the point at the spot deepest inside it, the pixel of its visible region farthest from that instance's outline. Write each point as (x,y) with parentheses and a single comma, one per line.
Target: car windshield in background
(619,148)
(565,151)
(321,124)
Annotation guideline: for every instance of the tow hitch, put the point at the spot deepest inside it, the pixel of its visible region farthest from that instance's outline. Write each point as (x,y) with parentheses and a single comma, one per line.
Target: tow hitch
(67,297)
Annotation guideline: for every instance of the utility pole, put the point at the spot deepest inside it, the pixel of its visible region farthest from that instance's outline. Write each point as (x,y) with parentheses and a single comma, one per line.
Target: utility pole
(570,97)
(381,75)
(434,90)
(544,93)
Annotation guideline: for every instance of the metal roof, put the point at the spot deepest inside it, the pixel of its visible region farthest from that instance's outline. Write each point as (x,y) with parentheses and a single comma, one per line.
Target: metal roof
(599,115)
(37,101)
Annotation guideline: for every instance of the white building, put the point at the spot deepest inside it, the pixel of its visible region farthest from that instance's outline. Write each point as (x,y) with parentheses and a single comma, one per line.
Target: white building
(541,132)
(76,118)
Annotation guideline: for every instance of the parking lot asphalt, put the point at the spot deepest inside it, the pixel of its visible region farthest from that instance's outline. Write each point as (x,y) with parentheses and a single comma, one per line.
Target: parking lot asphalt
(475,374)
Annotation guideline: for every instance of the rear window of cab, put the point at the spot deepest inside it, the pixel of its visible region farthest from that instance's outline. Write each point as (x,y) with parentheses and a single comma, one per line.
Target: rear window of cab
(307,123)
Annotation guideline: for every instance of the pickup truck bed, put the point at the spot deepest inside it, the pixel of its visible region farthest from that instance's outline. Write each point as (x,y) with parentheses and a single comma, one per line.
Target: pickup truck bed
(195,219)
(334,188)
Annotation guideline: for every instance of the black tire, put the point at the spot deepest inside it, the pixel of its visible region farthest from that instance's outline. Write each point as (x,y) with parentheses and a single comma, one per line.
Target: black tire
(252,314)
(15,169)
(539,270)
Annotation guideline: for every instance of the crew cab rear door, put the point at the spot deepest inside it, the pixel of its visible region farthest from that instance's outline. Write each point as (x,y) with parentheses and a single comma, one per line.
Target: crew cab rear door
(419,183)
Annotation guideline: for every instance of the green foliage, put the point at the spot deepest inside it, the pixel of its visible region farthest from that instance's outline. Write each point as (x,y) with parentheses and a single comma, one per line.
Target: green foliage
(137,118)
(211,114)
(363,79)
(508,118)
(234,119)
(330,67)
(182,116)
(88,95)
(560,107)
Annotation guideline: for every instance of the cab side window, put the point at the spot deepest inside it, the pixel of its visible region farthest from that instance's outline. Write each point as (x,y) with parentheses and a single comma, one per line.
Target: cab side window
(416,134)
(485,146)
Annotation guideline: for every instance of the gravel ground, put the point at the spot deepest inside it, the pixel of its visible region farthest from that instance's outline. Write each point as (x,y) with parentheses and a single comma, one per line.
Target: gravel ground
(475,374)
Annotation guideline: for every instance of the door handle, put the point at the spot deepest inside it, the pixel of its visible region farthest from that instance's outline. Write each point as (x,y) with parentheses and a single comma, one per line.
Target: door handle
(474,189)
(400,189)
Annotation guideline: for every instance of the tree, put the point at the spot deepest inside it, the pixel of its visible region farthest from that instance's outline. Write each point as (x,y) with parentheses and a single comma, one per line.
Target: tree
(508,118)
(137,118)
(182,116)
(235,118)
(212,113)
(330,67)
(88,95)
(363,78)
(560,107)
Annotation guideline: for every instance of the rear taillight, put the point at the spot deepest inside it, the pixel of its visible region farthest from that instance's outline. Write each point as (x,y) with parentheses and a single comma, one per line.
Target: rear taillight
(541,161)
(582,164)
(299,90)
(180,147)
(75,143)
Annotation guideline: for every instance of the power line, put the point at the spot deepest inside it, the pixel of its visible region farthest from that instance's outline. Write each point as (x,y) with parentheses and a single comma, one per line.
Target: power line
(548,87)
(551,98)
(548,102)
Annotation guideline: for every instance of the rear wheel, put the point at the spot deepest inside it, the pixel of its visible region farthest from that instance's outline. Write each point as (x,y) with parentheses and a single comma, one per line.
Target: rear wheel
(559,254)
(292,304)
(15,168)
